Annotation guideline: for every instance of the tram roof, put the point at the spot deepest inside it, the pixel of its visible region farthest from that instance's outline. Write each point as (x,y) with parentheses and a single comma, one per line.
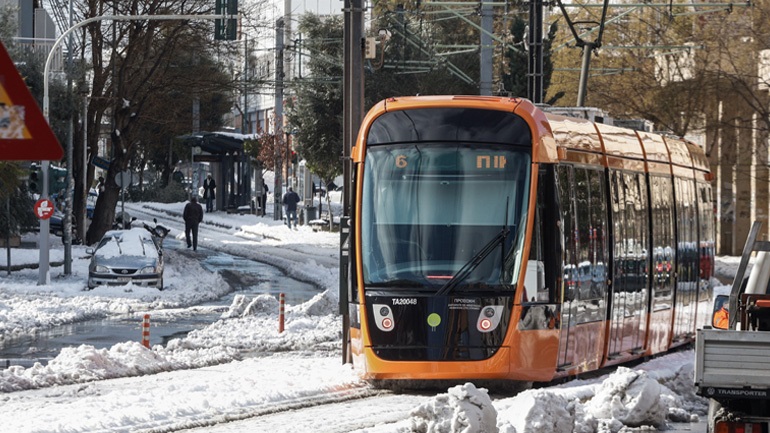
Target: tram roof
(622,144)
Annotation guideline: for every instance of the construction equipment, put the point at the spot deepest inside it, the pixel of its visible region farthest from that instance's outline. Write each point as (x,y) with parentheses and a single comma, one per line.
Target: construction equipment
(732,365)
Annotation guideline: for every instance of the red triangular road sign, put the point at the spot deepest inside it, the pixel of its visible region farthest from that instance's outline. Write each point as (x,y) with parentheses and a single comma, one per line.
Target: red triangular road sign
(24,132)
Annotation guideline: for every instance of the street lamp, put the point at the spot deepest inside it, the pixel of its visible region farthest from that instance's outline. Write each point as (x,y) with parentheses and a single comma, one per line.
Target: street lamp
(44,276)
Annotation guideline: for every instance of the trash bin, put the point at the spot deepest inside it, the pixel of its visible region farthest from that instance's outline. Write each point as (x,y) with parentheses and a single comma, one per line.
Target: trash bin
(311,213)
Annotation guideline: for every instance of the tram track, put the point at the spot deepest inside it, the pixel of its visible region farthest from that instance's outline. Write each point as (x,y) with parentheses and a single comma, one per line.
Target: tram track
(302,414)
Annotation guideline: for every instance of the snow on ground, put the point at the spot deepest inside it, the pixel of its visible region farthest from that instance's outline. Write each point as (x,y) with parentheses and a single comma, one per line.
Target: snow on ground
(241,366)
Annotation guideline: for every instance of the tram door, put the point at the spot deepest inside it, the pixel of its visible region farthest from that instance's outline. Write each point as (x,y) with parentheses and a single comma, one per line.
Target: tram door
(663,259)
(569,300)
(584,275)
(628,312)
(686,297)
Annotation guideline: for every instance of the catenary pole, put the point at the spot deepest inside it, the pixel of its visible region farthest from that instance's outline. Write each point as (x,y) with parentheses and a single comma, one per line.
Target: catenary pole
(278,133)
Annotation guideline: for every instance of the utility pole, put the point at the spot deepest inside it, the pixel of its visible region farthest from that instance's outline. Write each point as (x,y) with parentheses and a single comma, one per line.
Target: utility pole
(535,36)
(67,223)
(588,48)
(245,122)
(485,70)
(278,134)
(353,97)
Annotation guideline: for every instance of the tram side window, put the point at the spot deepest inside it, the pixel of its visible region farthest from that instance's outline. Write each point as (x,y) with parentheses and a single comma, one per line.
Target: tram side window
(583,233)
(662,239)
(686,219)
(597,249)
(706,238)
(637,241)
(569,232)
(617,188)
(629,208)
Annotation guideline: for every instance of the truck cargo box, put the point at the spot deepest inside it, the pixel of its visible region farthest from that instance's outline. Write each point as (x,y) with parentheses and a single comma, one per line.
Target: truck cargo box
(732,363)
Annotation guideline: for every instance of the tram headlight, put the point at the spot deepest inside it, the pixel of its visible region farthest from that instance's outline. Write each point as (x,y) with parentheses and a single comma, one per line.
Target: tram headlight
(489,318)
(383,317)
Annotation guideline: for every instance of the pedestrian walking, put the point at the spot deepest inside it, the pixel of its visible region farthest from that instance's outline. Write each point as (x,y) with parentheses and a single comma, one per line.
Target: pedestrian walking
(290,200)
(209,192)
(193,215)
(264,199)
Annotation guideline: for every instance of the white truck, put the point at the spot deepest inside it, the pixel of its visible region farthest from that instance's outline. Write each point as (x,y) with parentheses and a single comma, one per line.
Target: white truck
(732,364)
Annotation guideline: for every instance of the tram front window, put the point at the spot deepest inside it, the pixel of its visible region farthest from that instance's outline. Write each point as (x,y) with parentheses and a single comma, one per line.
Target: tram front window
(429,210)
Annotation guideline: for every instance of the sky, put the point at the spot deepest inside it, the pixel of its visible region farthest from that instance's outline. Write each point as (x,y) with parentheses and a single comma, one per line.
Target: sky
(241,374)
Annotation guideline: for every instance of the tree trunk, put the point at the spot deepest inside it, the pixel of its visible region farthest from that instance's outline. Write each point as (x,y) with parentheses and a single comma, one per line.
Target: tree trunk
(104,212)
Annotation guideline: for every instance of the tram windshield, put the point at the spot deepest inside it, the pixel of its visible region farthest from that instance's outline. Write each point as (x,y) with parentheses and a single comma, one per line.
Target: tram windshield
(444,216)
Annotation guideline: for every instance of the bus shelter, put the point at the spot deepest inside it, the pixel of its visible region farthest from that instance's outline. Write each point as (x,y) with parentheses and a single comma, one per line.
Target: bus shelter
(230,167)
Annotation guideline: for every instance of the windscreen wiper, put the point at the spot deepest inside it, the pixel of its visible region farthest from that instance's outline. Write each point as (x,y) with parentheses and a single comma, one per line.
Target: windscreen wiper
(473,263)
(477,258)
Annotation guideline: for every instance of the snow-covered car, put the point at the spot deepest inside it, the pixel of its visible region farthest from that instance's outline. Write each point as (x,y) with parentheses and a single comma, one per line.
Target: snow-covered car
(56,224)
(126,256)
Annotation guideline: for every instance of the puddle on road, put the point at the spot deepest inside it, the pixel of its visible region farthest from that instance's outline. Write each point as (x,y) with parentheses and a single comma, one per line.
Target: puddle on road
(247,277)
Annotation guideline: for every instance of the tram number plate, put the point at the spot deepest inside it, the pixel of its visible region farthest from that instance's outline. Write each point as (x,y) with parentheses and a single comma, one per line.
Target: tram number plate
(404,301)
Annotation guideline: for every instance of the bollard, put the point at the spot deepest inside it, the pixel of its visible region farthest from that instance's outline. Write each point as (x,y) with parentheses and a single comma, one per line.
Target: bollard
(146,331)
(281,303)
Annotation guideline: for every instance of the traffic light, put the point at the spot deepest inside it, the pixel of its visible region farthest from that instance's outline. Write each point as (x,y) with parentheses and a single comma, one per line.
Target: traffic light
(293,157)
(34,178)
(225,29)
(370,48)
(57,179)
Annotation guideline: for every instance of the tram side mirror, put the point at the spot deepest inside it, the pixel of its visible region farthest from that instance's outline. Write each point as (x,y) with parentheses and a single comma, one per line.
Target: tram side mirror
(534,281)
(720,317)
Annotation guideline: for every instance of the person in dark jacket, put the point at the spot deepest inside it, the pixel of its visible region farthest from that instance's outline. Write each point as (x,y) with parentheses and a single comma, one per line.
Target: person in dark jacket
(193,215)
(290,200)
(209,192)
(264,199)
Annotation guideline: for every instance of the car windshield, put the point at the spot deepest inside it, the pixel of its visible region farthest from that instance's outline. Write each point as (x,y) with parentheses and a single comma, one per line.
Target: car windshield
(134,242)
(429,212)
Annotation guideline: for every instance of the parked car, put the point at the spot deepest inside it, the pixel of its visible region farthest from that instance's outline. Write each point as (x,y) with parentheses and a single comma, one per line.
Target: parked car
(56,224)
(91,203)
(126,256)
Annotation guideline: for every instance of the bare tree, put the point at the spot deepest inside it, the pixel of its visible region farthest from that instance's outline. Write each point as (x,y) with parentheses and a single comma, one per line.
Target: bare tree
(135,64)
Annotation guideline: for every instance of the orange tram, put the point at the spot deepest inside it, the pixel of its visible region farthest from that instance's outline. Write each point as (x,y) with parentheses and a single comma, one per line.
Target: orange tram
(493,241)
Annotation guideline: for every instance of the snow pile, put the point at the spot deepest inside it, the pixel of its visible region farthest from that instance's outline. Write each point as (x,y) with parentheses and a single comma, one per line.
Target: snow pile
(629,397)
(321,304)
(242,306)
(87,364)
(626,399)
(538,411)
(464,408)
